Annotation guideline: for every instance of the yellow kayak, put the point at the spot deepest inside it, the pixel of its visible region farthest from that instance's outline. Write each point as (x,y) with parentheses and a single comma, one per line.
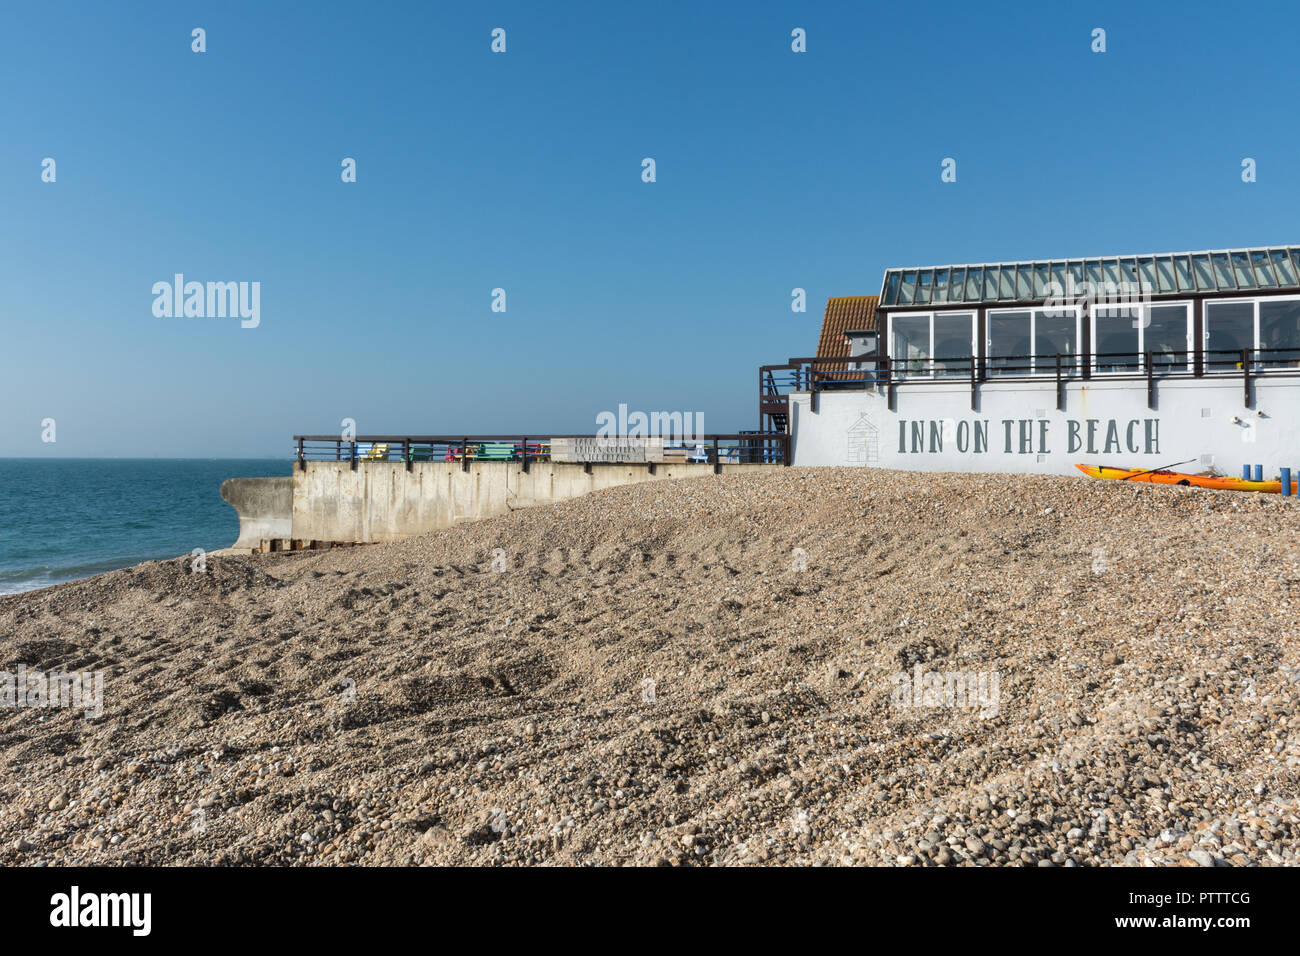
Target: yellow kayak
(1178,478)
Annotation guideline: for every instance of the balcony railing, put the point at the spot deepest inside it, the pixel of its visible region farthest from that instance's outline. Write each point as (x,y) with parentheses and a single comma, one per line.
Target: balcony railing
(741,448)
(823,374)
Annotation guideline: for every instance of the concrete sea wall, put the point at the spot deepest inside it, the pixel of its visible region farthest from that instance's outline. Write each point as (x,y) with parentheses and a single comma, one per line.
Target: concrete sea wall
(330,501)
(264,506)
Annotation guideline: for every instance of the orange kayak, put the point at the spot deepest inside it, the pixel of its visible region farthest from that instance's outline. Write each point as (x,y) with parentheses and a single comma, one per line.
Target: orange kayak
(1177,478)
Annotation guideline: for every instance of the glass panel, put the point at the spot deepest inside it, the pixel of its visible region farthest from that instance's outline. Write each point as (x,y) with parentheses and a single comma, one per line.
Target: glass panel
(1128,273)
(1024,282)
(1263,271)
(1054,332)
(1147,274)
(941,285)
(1115,340)
(908,292)
(1041,277)
(1113,279)
(1223,271)
(956,286)
(1095,277)
(973,277)
(1241,268)
(1279,328)
(924,283)
(1229,328)
(891,289)
(952,341)
(1058,276)
(1295,259)
(1165,275)
(1183,266)
(1007,284)
(991,284)
(1076,274)
(1204,274)
(909,345)
(1282,266)
(1008,343)
(1165,336)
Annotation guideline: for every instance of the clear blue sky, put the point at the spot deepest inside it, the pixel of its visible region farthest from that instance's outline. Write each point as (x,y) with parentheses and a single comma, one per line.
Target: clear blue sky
(477,170)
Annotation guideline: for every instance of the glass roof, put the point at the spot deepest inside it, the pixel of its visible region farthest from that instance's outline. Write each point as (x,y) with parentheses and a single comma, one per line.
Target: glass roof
(1229,270)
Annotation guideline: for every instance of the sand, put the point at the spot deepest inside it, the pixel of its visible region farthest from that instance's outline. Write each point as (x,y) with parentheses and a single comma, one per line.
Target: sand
(715,671)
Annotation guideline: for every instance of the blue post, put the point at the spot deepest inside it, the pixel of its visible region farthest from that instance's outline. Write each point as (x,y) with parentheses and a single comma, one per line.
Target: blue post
(1286,482)
(1259,472)
(1245,472)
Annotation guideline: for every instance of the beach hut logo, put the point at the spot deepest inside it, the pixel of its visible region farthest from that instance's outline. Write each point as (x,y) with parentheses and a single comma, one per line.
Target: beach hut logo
(863,442)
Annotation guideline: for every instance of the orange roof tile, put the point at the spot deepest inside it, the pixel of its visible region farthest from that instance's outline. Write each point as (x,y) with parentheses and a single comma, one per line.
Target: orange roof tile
(849,313)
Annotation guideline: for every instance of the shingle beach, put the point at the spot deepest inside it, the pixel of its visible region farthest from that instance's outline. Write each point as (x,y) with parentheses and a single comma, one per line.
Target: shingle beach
(752,669)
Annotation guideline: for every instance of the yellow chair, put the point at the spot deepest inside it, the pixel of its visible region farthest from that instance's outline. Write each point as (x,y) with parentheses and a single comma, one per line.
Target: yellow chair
(378,452)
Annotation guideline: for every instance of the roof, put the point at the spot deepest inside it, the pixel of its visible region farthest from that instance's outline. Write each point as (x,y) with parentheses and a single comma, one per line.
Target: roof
(849,313)
(1225,270)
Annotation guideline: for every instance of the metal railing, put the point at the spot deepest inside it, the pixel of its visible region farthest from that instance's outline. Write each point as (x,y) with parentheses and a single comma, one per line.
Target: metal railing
(821,374)
(740,448)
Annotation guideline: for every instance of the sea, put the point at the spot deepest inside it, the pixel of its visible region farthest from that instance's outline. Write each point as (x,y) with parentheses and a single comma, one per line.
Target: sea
(68,518)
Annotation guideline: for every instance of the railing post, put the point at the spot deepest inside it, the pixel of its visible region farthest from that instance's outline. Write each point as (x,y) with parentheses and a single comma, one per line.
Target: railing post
(717,461)
(338,449)
(1245,376)
(302,461)
(406,452)
(1060,389)
(464,453)
(352,454)
(785,450)
(523,446)
(1151,379)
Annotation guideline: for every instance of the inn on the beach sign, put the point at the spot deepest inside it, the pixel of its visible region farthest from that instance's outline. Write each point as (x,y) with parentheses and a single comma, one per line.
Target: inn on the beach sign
(1028,436)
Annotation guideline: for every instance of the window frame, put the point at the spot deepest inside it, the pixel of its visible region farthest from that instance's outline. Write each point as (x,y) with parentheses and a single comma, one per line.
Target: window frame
(931,357)
(1189,366)
(1257,360)
(1033,311)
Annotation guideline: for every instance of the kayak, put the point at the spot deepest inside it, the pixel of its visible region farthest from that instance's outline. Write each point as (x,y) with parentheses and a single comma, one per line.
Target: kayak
(1178,478)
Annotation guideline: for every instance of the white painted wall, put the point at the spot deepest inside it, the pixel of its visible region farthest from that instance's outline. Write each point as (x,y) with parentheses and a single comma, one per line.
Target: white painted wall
(1192,419)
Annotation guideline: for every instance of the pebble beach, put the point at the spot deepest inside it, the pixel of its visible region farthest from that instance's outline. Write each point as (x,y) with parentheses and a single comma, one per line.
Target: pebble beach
(812,667)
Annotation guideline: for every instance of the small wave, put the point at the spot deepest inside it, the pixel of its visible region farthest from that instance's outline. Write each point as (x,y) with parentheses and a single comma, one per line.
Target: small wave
(18,580)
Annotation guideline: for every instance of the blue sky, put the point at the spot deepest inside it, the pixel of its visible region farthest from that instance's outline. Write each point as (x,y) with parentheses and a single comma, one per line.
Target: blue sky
(522,171)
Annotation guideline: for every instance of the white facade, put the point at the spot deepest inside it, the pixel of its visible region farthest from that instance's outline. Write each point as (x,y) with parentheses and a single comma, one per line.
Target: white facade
(1017,427)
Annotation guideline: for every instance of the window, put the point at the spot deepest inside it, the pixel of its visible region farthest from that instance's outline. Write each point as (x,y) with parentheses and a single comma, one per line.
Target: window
(941,285)
(1121,337)
(1229,328)
(1166,335)
(952,342)
(910,343)
(1204,276)
(1008,335)
(1115,339)
(1263,271)
(1027,341)
(1279,329)
(1056,332)
(1165,273)
(1271,325)
(931,344)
